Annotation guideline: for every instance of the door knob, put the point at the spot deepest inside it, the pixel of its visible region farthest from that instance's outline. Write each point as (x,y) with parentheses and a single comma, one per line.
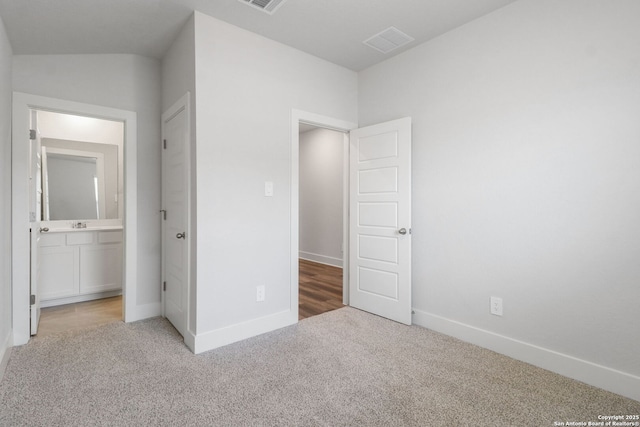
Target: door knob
(181,235)
(402,231)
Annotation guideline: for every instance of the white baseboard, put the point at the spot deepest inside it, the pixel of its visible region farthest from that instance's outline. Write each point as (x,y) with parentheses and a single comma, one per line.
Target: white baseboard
(234,333)
(5,354)
(146,311)
(322,259)
(79,298)
(590,373)
(190,340)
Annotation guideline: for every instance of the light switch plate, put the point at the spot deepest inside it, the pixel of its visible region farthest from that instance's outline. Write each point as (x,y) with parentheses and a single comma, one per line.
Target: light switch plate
(268,188)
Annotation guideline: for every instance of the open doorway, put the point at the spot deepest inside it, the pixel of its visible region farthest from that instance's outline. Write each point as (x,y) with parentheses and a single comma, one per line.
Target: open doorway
(298,118)
(79,249)
(377,214)
(27,223)
(321,220)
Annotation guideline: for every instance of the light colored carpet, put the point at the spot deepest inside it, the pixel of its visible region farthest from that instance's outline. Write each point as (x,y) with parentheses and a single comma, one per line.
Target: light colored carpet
(342,368)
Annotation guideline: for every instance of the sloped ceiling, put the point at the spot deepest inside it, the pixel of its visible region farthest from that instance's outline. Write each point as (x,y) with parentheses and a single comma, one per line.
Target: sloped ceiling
(330,29)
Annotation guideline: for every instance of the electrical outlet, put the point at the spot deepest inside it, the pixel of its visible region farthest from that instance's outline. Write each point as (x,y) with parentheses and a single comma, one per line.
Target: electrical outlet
(496,306)
(260,291)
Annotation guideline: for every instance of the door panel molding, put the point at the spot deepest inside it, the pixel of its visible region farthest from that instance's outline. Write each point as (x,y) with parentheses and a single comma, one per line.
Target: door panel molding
(380,203)
(176,221)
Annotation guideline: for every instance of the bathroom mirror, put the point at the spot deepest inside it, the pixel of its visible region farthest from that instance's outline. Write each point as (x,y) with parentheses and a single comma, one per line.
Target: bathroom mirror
(80,181)
(82,160)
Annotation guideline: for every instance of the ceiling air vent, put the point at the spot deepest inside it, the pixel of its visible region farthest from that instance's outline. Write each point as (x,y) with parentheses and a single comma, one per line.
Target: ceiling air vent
(388,40)
(268,6)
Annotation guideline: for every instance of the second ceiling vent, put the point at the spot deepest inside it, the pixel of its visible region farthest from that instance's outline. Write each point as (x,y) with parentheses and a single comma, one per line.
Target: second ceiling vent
(267,6)
(388,40)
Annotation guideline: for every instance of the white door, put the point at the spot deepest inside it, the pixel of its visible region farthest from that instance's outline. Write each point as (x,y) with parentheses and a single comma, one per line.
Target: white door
(35,216)
(175,201)
(380,220)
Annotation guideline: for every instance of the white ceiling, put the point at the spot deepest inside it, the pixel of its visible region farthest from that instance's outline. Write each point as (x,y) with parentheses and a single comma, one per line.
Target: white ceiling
(330,29)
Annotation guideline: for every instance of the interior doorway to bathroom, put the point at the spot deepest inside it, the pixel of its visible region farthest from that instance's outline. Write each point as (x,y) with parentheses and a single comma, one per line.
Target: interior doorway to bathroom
(99,247)
(77,193)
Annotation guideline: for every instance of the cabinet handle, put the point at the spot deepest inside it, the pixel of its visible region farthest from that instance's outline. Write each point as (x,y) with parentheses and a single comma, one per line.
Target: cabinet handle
(44,229)
(181,235)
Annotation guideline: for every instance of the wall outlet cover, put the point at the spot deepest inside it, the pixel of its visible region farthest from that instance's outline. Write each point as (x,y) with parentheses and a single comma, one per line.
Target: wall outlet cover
(260,293)
(496,306)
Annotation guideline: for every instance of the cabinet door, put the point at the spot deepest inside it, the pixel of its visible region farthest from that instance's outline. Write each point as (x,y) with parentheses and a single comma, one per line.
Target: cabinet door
(100,268)
(58,272)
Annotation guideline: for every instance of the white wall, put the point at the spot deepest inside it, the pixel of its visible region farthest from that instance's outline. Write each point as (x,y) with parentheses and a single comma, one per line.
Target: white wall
(246,88)
(5,196)
(321,196)
(127,82)
(526,182)
(178,67)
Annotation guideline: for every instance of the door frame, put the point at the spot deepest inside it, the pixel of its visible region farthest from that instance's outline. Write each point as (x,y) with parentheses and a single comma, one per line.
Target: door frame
(344,126)
(20,247)
(184,103)
(37,170)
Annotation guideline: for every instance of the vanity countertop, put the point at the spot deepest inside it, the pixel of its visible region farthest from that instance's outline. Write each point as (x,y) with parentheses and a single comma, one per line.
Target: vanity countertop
(95,228)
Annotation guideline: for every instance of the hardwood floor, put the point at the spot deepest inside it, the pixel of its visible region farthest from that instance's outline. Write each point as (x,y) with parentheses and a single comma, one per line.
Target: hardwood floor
(78,316)
(320,289)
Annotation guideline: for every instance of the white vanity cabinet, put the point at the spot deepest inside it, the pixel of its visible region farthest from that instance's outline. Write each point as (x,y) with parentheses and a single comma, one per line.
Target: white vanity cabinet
(79,265)
(59,267)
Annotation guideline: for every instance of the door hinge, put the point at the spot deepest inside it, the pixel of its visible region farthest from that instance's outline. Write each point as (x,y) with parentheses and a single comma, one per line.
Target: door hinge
(33,299)
(164,144)
(32,134)
(164,214)
(164,286)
